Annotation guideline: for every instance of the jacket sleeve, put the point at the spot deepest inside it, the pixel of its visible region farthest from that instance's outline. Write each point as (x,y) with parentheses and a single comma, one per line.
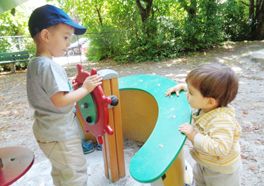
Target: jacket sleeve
(218,139)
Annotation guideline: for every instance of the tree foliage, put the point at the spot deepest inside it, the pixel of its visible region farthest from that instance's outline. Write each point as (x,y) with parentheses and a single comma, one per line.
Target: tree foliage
(141,30)
(11,24)
(236,21)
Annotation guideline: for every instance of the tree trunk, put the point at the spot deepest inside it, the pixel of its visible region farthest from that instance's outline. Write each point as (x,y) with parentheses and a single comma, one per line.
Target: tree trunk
(190,9)
(258,26)
(144,12)
(251,11)
(98,10)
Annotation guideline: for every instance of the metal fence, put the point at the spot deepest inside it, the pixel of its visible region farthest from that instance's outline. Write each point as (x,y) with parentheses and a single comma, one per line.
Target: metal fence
(14,43)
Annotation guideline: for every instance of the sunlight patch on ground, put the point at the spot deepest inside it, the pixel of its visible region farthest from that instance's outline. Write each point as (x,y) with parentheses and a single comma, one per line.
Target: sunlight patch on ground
(228,45)
(237,69)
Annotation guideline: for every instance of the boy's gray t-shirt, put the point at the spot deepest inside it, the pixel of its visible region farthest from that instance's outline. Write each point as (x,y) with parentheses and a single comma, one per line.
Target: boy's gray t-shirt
(44,79)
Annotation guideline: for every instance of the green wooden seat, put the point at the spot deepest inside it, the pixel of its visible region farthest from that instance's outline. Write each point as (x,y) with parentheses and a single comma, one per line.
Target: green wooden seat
(165,142)
(13,58)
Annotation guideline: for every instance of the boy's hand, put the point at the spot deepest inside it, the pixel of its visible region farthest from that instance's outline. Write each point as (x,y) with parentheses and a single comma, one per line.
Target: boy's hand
(176,89)
(91,82)
(188,130)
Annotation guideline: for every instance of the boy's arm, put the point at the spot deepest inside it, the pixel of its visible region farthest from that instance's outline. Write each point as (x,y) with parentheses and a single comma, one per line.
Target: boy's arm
(218,142)
(62,99)
(189,131)
(177,88)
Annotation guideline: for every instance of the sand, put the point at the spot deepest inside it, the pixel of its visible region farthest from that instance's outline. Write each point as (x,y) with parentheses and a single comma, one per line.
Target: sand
(246,58)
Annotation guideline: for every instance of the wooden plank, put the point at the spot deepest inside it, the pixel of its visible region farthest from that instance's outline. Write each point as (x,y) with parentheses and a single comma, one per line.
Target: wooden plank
(118,129)
(105,156)
(175,174)
(110,140)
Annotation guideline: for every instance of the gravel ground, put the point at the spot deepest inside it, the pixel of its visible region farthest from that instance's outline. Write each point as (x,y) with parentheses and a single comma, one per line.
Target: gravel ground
(246,58)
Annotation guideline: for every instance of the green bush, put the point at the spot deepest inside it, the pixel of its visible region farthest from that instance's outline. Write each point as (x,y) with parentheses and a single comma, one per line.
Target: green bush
(117,30)
(105,42)
(30,46)
(236,26)
(203,30)
(5,45)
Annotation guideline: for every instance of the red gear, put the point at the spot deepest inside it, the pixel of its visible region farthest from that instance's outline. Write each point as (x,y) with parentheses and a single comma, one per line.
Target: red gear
(101,102)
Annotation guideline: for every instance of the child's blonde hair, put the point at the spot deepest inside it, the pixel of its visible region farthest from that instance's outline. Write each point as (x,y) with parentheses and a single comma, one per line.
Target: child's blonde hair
(215,80)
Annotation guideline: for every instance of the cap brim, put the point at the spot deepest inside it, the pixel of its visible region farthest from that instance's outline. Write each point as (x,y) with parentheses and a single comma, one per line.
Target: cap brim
(78,29)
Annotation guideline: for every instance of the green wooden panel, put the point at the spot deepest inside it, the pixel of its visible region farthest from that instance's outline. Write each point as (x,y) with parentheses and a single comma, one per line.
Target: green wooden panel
(8,57)
(88,109)
(165,142)
(5,57)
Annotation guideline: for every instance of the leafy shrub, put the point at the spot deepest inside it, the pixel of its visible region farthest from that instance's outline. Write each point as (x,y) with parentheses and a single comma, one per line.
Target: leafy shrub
(105,42)
(236,26)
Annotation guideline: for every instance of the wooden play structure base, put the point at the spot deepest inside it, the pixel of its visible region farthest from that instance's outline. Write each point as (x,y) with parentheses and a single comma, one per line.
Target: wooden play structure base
(146,115)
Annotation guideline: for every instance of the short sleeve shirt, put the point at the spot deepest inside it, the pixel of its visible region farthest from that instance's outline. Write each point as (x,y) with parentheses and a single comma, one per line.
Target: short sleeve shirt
(44,79)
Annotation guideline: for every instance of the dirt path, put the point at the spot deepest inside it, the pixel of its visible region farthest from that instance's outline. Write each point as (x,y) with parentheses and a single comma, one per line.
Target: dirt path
(246,58)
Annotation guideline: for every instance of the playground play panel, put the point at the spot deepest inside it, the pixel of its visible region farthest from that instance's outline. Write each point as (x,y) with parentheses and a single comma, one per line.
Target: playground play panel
(151,117)
(148,116)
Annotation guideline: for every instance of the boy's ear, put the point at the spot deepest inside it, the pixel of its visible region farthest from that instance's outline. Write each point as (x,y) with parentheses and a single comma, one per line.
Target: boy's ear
(44,35)
(212,102)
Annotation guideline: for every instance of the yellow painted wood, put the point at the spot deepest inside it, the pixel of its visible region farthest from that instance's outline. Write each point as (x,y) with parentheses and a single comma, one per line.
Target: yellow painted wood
(175,174)
(139,114)
(105,158)
(118,129)
(110,142)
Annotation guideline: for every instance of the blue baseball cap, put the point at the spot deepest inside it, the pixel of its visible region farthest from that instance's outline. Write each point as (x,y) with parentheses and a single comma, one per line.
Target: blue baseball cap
(49,15)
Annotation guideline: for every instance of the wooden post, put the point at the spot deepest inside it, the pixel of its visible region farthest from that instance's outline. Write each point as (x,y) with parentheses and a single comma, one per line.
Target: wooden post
(113,153)
(175,174)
